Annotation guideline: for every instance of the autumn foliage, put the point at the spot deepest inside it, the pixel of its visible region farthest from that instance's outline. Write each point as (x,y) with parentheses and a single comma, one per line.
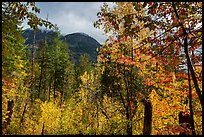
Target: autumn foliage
(148,78)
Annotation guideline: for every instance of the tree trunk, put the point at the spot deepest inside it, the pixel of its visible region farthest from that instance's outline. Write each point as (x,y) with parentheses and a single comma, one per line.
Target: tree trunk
(147,118)
(185,119)
(22,117)
(32,66)
(97,116)
(54,84)
(190,104)
(45,65)
(43,127)
(9,115)
(129,128)
(50,86)
(41,72)
(129,124)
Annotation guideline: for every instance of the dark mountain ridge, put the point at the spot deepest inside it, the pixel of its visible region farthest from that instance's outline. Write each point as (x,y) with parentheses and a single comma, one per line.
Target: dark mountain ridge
(78,43)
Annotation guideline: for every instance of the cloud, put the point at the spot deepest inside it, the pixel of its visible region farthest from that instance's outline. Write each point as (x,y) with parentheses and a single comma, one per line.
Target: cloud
(73,17)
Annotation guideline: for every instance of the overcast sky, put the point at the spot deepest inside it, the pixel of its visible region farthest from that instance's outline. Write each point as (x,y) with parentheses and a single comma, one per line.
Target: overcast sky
(73,17)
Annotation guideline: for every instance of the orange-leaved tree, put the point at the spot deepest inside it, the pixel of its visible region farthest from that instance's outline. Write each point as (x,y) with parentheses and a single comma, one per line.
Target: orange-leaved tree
(127,74)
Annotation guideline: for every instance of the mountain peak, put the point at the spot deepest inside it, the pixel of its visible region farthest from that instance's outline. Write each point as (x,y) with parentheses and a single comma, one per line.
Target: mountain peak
(78,34)
(79,43)
(81,33)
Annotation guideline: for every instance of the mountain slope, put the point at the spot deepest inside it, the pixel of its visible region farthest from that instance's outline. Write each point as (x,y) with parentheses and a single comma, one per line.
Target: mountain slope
(78,43)
(81,43)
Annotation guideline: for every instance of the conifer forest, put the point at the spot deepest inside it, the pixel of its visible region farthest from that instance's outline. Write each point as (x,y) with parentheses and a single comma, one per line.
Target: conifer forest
(147,79)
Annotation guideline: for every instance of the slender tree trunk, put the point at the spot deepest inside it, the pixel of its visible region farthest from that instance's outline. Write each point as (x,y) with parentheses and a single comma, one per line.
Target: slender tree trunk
(45,82)
(45,65)
(97,110)
(43,128)
(50,85)
(128,109)
(22,117)
(54,84)
(61,97)
(129,128)
(9,115)
(32,66)
(193,75)
(198,91)
(193,56)
(41,73)
(147,129)
(129,120)
(128,116)
(61,116)
(45,86)
(43,69)
(190,104)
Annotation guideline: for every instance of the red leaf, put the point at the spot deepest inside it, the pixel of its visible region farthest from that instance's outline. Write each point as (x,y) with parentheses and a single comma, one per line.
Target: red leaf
(155,34)
(174,20)
(150,3)
(185,86)
(153,10)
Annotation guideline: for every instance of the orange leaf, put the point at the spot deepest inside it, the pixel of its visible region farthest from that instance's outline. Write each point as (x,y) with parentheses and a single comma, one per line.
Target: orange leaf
(157,75)
(190,36)
(194,94)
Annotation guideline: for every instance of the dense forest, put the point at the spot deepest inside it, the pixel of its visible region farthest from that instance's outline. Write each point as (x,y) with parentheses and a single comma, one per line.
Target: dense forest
(147,79)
